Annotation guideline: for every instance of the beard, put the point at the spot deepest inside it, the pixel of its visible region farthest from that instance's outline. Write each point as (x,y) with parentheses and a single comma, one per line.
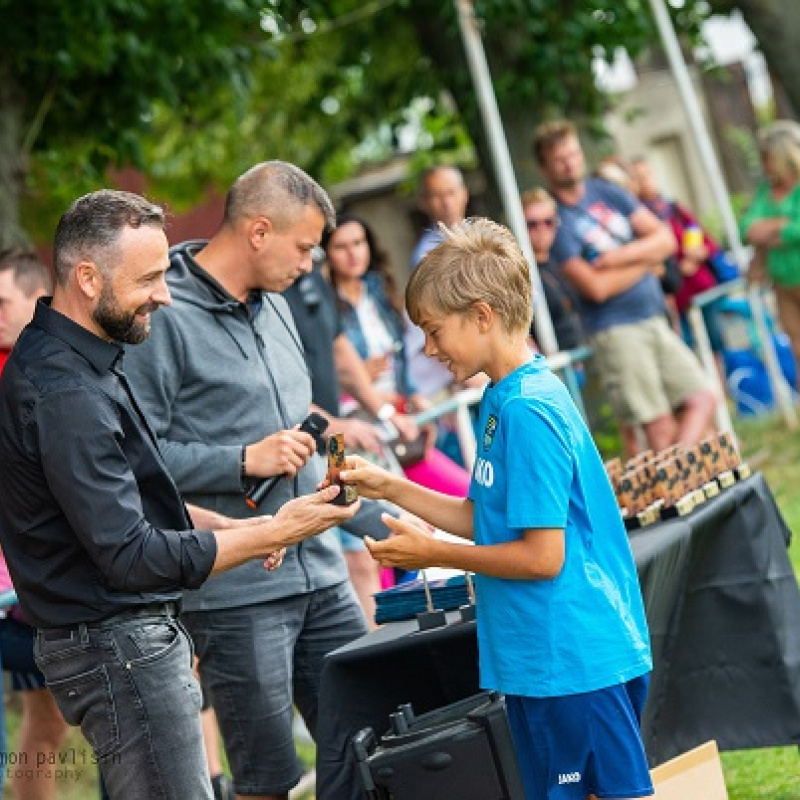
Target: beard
(567,182)
(121,326)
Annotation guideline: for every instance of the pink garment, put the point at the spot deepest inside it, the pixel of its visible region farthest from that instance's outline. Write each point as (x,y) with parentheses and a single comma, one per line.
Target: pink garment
(6,585)
(387,578)
(436,471)
(5,578)
(704,278)
(693,285)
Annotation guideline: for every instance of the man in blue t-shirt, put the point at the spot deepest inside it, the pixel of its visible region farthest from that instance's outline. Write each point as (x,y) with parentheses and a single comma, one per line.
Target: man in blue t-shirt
(561,625)
(612,249)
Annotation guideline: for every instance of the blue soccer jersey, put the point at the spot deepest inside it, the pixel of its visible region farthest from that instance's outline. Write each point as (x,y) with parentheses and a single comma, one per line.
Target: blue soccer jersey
(537,467)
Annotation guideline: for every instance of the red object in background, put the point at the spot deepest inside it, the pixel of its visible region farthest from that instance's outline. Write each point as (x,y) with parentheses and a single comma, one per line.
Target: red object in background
(680,220)
(199,222)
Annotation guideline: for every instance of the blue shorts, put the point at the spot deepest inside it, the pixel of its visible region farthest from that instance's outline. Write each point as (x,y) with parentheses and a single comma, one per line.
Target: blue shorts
(572,746)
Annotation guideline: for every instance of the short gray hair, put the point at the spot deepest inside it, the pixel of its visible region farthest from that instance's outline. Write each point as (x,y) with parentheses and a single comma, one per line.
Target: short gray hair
(91,227)
(277,190)
(30,273)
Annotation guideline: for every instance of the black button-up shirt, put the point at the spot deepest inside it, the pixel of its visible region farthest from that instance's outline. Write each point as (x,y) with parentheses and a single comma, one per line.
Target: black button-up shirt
(91,523)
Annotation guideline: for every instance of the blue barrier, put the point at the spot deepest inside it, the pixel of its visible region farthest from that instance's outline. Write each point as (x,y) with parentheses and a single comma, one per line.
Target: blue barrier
(748,382)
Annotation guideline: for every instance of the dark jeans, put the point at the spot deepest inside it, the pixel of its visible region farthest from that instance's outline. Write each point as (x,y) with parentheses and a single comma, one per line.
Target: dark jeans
(128,683)
(256,662)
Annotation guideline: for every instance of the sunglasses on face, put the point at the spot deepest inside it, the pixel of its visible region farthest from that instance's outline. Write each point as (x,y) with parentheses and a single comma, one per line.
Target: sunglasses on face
(547,222)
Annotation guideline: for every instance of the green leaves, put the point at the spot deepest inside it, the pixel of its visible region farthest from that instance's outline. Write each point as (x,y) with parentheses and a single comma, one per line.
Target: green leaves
(192,92)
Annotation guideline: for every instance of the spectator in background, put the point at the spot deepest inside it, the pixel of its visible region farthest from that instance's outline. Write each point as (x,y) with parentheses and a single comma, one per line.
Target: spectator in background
(611,248)
(772,223)
(443,197)
(333,361)
(614,170)
(373,320)
(695,253)
(23,280)
(541,219)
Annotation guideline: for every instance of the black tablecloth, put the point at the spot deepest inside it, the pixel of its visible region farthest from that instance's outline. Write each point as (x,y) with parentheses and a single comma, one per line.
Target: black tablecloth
(723,607)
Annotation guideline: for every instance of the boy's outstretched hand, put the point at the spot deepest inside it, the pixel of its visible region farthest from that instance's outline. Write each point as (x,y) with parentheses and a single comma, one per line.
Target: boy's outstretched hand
(411,546)
(370,480)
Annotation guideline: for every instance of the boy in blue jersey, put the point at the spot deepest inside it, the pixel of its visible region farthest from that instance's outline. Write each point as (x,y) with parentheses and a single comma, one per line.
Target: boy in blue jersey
(561,626)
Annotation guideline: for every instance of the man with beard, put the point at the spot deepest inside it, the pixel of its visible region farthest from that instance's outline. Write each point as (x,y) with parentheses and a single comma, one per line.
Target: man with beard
(98,540)
(611,249)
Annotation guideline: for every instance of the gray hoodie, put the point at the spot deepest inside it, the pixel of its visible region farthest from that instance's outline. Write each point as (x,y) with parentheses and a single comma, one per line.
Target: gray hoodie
(211,378)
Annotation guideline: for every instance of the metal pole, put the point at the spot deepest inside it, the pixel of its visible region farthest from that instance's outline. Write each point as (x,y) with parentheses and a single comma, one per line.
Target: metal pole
(706,356)
(716,181)
(509,191)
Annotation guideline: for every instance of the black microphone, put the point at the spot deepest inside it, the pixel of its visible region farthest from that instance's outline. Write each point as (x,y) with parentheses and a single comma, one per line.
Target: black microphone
(315,424)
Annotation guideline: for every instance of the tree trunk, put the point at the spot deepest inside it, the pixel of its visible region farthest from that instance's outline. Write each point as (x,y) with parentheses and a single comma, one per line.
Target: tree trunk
(12,160)
(776,26)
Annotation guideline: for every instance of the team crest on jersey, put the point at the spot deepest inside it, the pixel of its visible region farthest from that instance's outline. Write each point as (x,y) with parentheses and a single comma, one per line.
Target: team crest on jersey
(489,431)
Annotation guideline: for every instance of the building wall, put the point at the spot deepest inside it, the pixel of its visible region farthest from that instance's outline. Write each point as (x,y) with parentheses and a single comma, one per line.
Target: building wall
(650,121)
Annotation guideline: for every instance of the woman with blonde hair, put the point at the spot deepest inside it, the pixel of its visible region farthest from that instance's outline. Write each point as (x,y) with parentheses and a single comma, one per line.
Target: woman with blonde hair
(772,223)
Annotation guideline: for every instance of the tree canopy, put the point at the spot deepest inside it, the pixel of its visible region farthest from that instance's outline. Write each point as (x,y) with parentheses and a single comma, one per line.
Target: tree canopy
(80,81)
(191,92)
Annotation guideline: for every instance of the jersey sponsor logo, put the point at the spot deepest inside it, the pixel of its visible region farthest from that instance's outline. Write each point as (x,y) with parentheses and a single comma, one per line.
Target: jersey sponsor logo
(489,431)
(484,472)
(568,777)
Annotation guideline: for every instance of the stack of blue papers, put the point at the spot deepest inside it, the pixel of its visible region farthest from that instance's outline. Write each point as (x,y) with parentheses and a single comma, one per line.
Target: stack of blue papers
(408,599)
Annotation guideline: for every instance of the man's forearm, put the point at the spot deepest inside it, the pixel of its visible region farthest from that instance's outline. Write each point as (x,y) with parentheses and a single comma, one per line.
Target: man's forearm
(243,543)
(206,518)
(645,252)
(599,285)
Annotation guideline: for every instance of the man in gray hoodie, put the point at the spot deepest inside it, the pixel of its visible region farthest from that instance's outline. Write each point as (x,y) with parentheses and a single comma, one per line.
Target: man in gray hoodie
(225,385)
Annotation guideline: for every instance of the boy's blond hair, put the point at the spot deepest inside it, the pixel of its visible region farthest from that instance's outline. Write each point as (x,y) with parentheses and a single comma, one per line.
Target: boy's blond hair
(478,261)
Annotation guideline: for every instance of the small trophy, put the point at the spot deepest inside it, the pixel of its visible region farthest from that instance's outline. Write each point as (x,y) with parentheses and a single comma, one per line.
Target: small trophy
(431,617)
(467,612)
(347,494)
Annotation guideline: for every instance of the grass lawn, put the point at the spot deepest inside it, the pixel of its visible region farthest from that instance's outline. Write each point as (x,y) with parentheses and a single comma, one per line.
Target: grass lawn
(773,774)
